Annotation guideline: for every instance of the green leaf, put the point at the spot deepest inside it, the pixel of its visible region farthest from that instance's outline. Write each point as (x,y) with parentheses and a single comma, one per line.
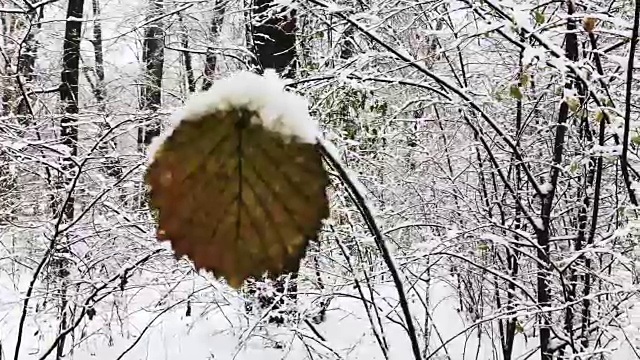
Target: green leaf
(599,116)
(574,103)
(237,199)
(483,247)
(519,327)
(514,91)
(574,167)
(636,140)
(622,210)
(539,17)
(525,79)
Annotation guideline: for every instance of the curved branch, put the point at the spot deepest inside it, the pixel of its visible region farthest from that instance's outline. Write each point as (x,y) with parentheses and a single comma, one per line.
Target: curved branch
(359,200)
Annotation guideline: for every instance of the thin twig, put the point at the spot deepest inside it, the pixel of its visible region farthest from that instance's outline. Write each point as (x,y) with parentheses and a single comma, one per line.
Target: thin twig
(91,299)
(624,165)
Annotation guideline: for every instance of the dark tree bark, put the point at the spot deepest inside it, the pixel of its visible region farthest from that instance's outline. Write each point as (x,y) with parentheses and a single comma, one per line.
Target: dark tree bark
(585,181)
(25,27)
(99,90)
(274,38)
(186,56)
(27,61)
(5,109)
(69,137)
(543,234)
(153,59)
(210,61)
(508,327)
(69,85)
(597,162)
(348,48)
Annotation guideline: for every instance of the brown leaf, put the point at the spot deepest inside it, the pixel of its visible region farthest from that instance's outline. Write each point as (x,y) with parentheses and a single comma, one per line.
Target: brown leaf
(236,198)
(589,24)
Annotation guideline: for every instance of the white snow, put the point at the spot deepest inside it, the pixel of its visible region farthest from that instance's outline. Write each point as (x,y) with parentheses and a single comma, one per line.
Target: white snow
(623,61)
(612,150)
(546,187)
(277,110)
(559,64)
(521,18)
(333,8)
(286,3)
(530,53)
(220,329)
(538,223)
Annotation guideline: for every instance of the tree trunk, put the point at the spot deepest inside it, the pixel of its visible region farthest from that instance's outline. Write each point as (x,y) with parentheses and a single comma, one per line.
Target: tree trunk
(543,235)
(98,54)
(69,137)
(210,62)
(153,59)
(14,100)
(274,38)
(186,56)
(69,85)
(27,62)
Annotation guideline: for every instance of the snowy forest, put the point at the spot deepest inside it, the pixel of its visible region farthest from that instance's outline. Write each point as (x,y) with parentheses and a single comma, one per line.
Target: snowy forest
(483,197)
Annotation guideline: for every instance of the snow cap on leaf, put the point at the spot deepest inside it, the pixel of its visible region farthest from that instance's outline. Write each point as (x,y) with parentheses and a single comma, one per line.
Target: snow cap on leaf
(277,110)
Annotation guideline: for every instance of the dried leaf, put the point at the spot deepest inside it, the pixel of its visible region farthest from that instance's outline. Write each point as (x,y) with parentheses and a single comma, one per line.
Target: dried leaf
(236,198)
(573,103)
(599,115)
(525,79)
(515,92)
(589,24)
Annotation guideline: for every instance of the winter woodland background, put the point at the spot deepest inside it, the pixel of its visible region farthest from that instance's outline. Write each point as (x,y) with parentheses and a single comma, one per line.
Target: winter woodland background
(496,142)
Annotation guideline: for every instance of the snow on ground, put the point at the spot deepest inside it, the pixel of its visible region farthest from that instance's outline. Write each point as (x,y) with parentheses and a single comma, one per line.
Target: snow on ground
(149,321)
(219,329)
